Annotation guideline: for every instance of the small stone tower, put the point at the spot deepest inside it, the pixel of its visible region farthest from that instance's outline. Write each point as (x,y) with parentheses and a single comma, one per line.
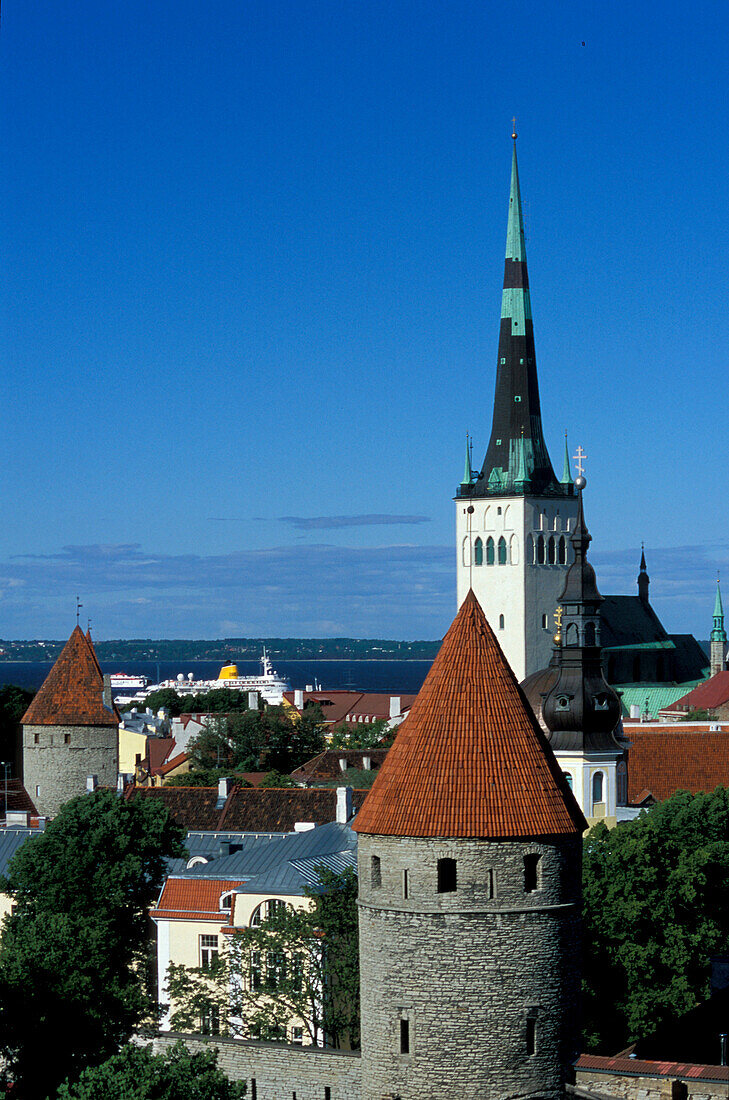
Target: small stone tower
(718,636)
(581,711)
(514,517)
(469,856)
(70,730)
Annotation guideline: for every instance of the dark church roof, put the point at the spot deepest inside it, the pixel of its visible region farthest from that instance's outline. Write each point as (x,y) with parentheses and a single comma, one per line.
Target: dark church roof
(470,760)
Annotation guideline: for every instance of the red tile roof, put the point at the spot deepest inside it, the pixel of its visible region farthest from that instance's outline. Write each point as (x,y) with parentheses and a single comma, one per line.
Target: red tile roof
(197,899)
(666,762)
(172,763)
(639,1067)
(712,693)
(158,750)
(470,759)
(18,797)
(72,693)
(326,765)
(248,810)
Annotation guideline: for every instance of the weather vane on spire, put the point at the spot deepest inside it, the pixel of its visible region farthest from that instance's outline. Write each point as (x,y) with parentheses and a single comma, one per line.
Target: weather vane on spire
(79,605)
(513,127)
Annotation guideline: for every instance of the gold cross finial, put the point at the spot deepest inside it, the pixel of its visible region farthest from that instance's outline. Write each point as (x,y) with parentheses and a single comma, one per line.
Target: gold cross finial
(513,128)
(558,617)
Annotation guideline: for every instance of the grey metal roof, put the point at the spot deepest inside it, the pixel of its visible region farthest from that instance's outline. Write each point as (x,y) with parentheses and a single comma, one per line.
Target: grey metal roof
(211,846)
(11,839)
(296,857)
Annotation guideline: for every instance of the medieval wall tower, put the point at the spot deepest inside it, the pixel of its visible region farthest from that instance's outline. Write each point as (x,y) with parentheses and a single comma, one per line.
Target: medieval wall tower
(70,730)
(469,885)
(513,518)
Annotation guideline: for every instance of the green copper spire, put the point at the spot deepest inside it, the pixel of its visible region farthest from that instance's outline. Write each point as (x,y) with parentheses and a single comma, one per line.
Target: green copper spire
(718,634)
(515,247)
(516,457)
(467,472)
(566,478)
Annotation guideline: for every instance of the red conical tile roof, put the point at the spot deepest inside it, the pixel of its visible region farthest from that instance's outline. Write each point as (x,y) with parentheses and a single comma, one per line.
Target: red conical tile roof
(72,693)
(470,759)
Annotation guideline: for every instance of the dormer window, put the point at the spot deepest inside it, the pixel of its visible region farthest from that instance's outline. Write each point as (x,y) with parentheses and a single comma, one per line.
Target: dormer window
(226,902)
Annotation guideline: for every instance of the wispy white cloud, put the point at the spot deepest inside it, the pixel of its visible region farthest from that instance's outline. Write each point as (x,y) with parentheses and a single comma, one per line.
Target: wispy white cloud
(321,523)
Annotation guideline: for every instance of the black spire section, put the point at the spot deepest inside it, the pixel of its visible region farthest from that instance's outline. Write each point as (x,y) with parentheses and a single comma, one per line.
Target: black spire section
(517,461)
(582,711)
(643,578)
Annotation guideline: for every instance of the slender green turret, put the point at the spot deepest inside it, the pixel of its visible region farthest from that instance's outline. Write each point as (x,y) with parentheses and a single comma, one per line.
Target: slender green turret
(566,478)
(467,472)
(718,635)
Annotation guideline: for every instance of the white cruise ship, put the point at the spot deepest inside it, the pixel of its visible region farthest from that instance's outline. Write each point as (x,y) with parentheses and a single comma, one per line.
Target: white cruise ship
(269,684)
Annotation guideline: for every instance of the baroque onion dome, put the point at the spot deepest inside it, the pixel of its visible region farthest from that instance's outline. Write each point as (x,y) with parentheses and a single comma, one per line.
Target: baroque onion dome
(581,711)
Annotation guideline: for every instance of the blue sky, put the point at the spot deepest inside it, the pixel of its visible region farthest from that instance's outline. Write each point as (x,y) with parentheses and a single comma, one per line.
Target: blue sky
(252,259)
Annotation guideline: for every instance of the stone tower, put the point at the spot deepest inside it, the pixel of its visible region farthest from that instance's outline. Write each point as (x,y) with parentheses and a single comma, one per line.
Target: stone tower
(70,730)
(718,636)
(581,711)
(513,518)
(469,856)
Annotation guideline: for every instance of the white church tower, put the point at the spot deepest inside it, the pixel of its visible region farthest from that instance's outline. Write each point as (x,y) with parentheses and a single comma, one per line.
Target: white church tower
(514,518)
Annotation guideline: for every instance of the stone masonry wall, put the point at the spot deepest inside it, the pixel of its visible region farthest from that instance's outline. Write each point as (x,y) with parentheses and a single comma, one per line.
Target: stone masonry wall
(280,1071)
(56,769)
(467,970)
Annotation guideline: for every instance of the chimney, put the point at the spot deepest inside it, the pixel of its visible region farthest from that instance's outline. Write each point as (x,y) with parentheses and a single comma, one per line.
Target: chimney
(299,698)
(225,786)
(344,805)
(17,817)
(107,699)
(634,712)
(224,848)
(395,706)
(309,687)
(343,763)
(92,783)
(253,700)
(42,823)
(366,763)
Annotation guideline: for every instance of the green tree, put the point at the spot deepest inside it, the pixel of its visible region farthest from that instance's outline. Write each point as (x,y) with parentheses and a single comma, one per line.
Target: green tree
(206,777)
(136,1074)
(360,735)
(14,701)
(297,965)
(269,740)
(656,908)
(75,973)
(278,780)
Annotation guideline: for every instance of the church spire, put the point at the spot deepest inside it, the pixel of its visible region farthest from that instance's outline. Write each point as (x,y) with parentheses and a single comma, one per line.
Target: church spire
(566,478)
(718,635)
(581,711)
(517,413)
(643,578)
(467,471)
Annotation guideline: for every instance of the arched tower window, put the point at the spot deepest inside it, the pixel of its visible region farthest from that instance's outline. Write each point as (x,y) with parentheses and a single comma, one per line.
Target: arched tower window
(622,782)
(507,518)
(467,551)
(590,636)
(540,550)
(478,552)
(488,518)
(490,554)
(501,622)
(551,551)
(514,550)
(563,551)
(598,788)
(531,872)
(530,550)
(572,637)
(502,551)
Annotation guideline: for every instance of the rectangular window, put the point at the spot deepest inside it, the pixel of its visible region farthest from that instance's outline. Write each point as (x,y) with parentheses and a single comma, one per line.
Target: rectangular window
(297,1036)
(327,1093)
(376,873)
(37,791)
(36,738)
(447,876)
(275,969)
(404,1036)
(67,738)
(210,1020)
(405,884)
(490,890)
(531,1035)
(254,1089)
(531,873)
(208,952)
(255,970)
